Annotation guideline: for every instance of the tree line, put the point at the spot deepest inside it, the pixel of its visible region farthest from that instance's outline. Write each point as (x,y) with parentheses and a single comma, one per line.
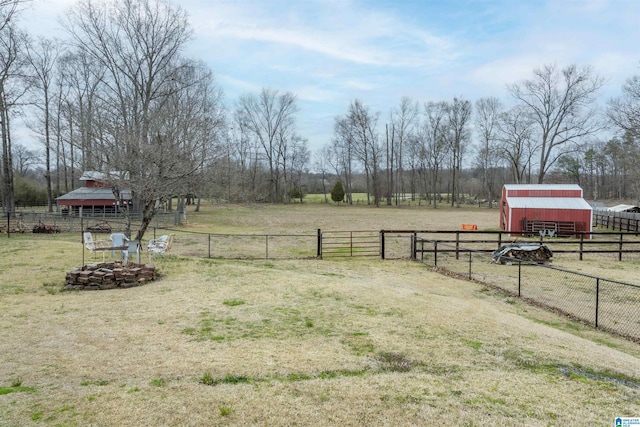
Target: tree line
(118,95)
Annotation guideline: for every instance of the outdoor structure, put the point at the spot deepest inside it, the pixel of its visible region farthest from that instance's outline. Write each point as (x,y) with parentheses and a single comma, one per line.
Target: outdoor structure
(624,208)
(94,198)
(544,210)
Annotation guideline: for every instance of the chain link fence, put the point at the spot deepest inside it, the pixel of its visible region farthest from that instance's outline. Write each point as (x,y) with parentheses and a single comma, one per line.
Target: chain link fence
(605,304)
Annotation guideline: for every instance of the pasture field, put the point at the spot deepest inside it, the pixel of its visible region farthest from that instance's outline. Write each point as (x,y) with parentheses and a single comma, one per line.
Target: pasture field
(297,342)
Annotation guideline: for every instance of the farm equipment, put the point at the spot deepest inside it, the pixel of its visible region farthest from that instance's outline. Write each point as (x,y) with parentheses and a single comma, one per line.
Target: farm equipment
(44,228)
(102,227)
(14,226)
(525,252)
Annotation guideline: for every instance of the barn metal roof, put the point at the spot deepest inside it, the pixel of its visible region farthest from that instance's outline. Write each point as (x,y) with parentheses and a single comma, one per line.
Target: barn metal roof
(93,193)
(549,203)
(543,187)
(623,208)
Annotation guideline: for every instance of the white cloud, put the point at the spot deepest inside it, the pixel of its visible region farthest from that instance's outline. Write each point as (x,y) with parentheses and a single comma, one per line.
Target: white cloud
(356,36)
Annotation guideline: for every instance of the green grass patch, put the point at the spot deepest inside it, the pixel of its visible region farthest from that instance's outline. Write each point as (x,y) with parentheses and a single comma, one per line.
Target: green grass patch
(278,322)
(342,373)
(476,345)
(233,302)
(16,389)
(158,382)
(99,383)
(359,343)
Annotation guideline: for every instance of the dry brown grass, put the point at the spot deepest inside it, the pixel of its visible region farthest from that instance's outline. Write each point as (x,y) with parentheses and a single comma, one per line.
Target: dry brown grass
(306,342)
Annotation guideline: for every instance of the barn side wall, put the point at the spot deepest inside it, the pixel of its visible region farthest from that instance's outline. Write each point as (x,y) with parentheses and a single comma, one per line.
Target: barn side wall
(579,216)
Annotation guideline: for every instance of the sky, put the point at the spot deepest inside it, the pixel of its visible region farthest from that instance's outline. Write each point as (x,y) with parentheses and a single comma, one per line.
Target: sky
(330,52)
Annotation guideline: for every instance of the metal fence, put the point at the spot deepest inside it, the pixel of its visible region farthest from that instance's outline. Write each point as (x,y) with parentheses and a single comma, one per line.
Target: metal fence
(332,244)
(602,303)
(27,221)
(239,246)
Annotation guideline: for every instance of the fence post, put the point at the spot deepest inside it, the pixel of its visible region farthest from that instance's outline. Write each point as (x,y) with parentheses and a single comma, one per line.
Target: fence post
(499,239)
(620,249)
(82,238)
(414,245)
(470,264)
(382,244)
(435,253)
(597,298)
(581,243)
(266,245)
(351,243)
(209,238)
(319,248)
(519,276)
(8,224)
(457,244)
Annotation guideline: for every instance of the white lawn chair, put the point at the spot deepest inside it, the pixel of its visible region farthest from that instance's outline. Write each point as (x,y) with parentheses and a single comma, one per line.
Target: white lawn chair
(93,245)
(119,240)
(161,245)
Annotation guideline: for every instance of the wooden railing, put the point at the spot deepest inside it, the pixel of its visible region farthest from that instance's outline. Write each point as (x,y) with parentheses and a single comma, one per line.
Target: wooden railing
(623,221)
(594,242)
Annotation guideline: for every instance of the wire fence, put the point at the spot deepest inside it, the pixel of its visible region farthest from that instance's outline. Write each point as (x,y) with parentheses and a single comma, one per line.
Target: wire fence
(239,246)
(26,222)
(602,303)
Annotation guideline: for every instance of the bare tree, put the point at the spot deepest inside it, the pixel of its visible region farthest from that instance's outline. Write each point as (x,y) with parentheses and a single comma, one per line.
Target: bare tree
(517,147)
(487,125)
(321,160)
(624,111)
(367,146)
(299,162)
(433,146)
(9,9)
(270,117)
(24,160)
(42,57)
(561,103)
(13,86)
(244,151)
(137,44)
(404,121)
(458,118)
(342,154)
(83,77)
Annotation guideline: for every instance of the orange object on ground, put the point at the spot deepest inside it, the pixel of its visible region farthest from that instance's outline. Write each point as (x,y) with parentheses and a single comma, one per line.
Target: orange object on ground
(469,227)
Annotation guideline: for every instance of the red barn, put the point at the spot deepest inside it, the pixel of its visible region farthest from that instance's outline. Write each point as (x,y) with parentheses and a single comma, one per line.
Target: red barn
(544,209)
(94,198)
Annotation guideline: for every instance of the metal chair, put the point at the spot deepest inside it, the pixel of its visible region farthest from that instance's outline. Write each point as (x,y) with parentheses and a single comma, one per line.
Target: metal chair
(93,245)
(161,245)
(119,240)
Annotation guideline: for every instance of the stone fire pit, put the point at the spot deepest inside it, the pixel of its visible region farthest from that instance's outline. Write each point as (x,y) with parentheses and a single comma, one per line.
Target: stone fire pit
(108,275)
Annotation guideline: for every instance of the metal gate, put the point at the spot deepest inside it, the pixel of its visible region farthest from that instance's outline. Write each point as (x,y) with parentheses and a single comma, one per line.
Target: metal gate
(335,244)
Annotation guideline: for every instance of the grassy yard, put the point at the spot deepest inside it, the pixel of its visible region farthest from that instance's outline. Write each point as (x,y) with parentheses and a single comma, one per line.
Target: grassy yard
(296,342)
